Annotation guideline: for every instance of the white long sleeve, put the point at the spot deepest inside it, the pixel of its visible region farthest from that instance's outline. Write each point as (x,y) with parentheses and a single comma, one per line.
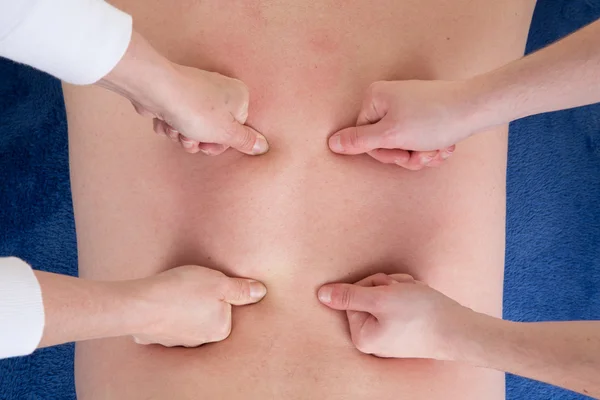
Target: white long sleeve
(77,41)
(21,309)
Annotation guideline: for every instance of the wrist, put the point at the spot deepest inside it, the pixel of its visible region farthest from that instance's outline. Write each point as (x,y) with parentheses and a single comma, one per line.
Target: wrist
(479,339)
(136,312)
(488,103)
(141,75)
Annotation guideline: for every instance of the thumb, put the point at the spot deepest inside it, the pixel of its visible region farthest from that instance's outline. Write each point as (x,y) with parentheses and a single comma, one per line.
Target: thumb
(343,296)
(246,140)
(238,291)
(359,139)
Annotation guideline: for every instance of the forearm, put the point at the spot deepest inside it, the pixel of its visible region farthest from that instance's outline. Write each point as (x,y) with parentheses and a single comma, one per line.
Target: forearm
(565,354)
(77,309)
(563,75)
(142,73)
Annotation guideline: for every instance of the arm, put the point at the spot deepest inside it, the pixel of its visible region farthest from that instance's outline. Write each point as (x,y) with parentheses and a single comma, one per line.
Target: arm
(186,306)
(397,316)
(565,354)
(424,116)
(563,75)
(78,309)
(90,41)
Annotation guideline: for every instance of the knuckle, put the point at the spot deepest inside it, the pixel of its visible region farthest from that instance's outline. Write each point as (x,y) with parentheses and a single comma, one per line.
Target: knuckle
(362,343)
(243,139)
(343,296)
(381,275)
(223,331)
(238,289)
(352,139)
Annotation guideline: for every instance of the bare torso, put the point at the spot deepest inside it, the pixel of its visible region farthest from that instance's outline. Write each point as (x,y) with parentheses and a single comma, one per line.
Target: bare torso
(299,216)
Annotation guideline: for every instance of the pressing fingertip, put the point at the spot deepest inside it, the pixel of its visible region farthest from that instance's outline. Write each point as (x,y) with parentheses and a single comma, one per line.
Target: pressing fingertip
(335,143)
(261,146)
(257,290)
(324,294)
(188,144)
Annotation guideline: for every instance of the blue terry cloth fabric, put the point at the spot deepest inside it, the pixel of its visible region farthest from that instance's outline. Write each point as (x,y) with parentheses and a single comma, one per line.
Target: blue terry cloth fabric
(553,213)
(36,216)
(553,220)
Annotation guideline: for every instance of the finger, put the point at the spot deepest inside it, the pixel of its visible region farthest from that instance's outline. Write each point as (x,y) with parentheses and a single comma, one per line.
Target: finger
(246,140)
(356,319)
(359,139)
(141,340)
(243,95)
(172,133)
(374,106)
(141,110)
(364,334)
(436,161)
(402,278)
(418,160)
(159,127)
(191,345)
(387,156)
(238,291)
(446,153)
(189,145)
(212,149)
(343,296)
(379,279)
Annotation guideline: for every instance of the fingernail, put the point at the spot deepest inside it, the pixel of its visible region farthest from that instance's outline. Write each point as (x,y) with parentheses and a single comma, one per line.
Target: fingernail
(445,155)
(427,160)
(257,290)
(187,144)
(325,295)
(260,146)
(335,142)
(205,152)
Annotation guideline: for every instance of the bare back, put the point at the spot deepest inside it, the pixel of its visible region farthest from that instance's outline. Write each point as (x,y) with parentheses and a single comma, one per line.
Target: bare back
(299,216)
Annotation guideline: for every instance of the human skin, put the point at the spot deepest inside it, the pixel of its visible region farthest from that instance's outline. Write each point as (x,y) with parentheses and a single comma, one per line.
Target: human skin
(427,115)
(400,317)
(200,110)
(299,216)
(185,306)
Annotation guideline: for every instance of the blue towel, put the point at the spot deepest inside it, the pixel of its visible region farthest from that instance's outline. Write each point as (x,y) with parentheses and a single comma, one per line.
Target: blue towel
(553,220)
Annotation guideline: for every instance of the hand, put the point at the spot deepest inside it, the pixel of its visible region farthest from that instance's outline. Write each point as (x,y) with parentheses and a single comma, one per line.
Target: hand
(410,123)
(189,306)
(397,316)
(203,111)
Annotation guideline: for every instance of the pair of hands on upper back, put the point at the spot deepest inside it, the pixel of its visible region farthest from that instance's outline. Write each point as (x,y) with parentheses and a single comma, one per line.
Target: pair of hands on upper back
(412,124)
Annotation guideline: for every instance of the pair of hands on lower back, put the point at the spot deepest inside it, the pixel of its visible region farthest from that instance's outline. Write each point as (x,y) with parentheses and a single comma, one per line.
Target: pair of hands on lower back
(389,315)
(408,123)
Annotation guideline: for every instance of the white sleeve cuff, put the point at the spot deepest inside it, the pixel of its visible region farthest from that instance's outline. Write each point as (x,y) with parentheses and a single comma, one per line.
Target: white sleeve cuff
(77,41)
(21,309)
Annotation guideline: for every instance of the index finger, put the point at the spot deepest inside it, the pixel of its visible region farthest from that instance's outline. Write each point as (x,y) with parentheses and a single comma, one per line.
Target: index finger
(379,279)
